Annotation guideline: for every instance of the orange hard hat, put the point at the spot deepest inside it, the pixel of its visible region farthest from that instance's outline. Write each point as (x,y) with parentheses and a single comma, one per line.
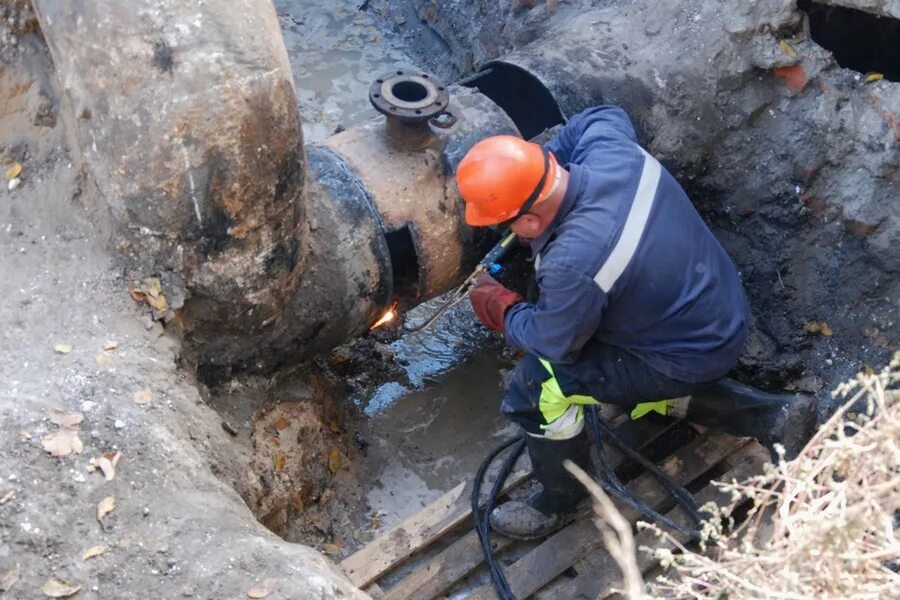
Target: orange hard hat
(500,175)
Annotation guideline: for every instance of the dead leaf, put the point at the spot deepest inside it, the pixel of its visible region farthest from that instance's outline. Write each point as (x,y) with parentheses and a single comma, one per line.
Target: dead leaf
(65,419)
(62,442)
(9,580)
(7,497)
(143,396)
(275,442)
(873,77)
(104,359)
(14,171)
(107,463)
(363,536)
(158,302)
(24,436)
(296,500)
(376,523)
(334,427)
(821,328)
(154,287)
(794,76)
(262,590)
(282,423)
(331,548)
(787,49)
(110,345)
(278,461)
(335,459)
(105,507)
(62,347)
(92,552)
(59,588)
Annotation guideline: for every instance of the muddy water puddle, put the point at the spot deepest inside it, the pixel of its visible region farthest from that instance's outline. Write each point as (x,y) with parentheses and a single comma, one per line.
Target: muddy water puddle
(424,442)
(336,51)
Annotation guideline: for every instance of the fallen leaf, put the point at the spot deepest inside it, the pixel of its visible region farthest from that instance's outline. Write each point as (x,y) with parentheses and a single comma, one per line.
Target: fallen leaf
(158,302)
(335,459)
(296,500)
(787,49)
(104,359)
(63,441)
(9,580)
(7,497)
(331,548)
(873,76)
(65,419)
(107,463)
(62,348)
(59,588)
(24,436)
(14,171)
(110,345)
(154,287)
(376,523)
(334,427)
(814,327)
(363,536)
(275,442)
(92,552)
(278,461)
(106,505)
(794,76)
(262,590)
(143,396)
(282,423)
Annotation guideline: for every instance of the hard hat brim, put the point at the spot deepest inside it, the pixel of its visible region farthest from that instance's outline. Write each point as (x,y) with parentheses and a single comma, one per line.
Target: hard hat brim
(478,218)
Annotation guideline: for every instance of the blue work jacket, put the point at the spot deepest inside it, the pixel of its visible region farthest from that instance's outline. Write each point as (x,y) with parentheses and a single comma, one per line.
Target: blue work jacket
(629,262)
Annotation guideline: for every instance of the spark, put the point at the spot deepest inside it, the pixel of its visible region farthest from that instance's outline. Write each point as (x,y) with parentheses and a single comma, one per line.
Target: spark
(387,317)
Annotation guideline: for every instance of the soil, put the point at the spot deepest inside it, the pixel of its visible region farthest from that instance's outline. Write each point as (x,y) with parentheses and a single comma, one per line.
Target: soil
(218,478)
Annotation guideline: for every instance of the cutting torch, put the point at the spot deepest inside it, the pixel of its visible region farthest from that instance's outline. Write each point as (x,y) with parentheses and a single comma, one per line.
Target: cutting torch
(489,264)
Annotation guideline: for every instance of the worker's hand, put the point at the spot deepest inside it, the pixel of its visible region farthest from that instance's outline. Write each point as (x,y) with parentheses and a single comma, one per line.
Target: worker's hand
(490,301)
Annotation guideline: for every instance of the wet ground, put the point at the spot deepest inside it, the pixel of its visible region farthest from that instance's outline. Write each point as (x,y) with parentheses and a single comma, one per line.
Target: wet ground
(430,432)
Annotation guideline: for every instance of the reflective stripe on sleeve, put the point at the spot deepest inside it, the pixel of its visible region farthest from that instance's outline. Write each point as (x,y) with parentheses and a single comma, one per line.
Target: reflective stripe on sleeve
(635,223)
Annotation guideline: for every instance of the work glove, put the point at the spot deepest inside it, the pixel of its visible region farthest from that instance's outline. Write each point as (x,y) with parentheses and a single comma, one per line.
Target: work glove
(490,301)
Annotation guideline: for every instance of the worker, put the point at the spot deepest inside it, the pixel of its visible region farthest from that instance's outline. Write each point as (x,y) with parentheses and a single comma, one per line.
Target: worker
(639,305)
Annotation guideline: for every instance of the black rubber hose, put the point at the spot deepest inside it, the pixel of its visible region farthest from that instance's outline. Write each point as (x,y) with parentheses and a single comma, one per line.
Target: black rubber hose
(609,481)
(482,519)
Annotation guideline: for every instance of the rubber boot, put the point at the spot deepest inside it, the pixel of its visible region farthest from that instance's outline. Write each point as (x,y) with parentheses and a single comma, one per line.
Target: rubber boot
(554,505)
(741,410)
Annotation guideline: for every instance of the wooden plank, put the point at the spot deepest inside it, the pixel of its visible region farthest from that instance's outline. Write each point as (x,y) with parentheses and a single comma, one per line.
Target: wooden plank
(418,531)
(598,572)
(544,563)
(464,555)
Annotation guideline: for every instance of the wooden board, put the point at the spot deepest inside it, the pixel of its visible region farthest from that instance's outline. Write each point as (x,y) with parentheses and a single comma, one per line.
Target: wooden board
(416,532)
(598,572)
(559,552)
(464,555)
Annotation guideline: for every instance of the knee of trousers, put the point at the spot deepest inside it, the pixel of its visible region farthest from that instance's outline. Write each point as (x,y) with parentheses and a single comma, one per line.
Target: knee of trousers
(535,401)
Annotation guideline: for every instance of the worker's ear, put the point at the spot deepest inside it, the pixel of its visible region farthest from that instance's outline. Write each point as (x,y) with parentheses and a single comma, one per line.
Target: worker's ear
(528,226)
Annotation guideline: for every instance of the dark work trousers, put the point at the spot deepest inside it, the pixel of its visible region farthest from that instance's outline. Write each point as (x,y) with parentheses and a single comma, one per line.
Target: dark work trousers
(548,400)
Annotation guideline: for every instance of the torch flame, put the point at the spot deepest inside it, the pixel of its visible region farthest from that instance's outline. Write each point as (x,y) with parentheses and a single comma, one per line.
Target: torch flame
(387,317)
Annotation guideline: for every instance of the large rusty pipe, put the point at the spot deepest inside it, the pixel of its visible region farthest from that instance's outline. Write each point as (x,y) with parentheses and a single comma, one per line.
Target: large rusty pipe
(186,117)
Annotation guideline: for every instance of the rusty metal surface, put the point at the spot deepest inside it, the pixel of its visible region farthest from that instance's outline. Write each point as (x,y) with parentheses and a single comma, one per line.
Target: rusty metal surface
(413,185)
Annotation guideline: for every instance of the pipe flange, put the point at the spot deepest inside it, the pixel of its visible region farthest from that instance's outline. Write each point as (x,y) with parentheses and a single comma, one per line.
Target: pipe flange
(409,95)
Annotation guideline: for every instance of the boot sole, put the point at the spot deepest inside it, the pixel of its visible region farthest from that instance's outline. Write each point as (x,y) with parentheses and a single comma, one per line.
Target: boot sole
(564,520)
